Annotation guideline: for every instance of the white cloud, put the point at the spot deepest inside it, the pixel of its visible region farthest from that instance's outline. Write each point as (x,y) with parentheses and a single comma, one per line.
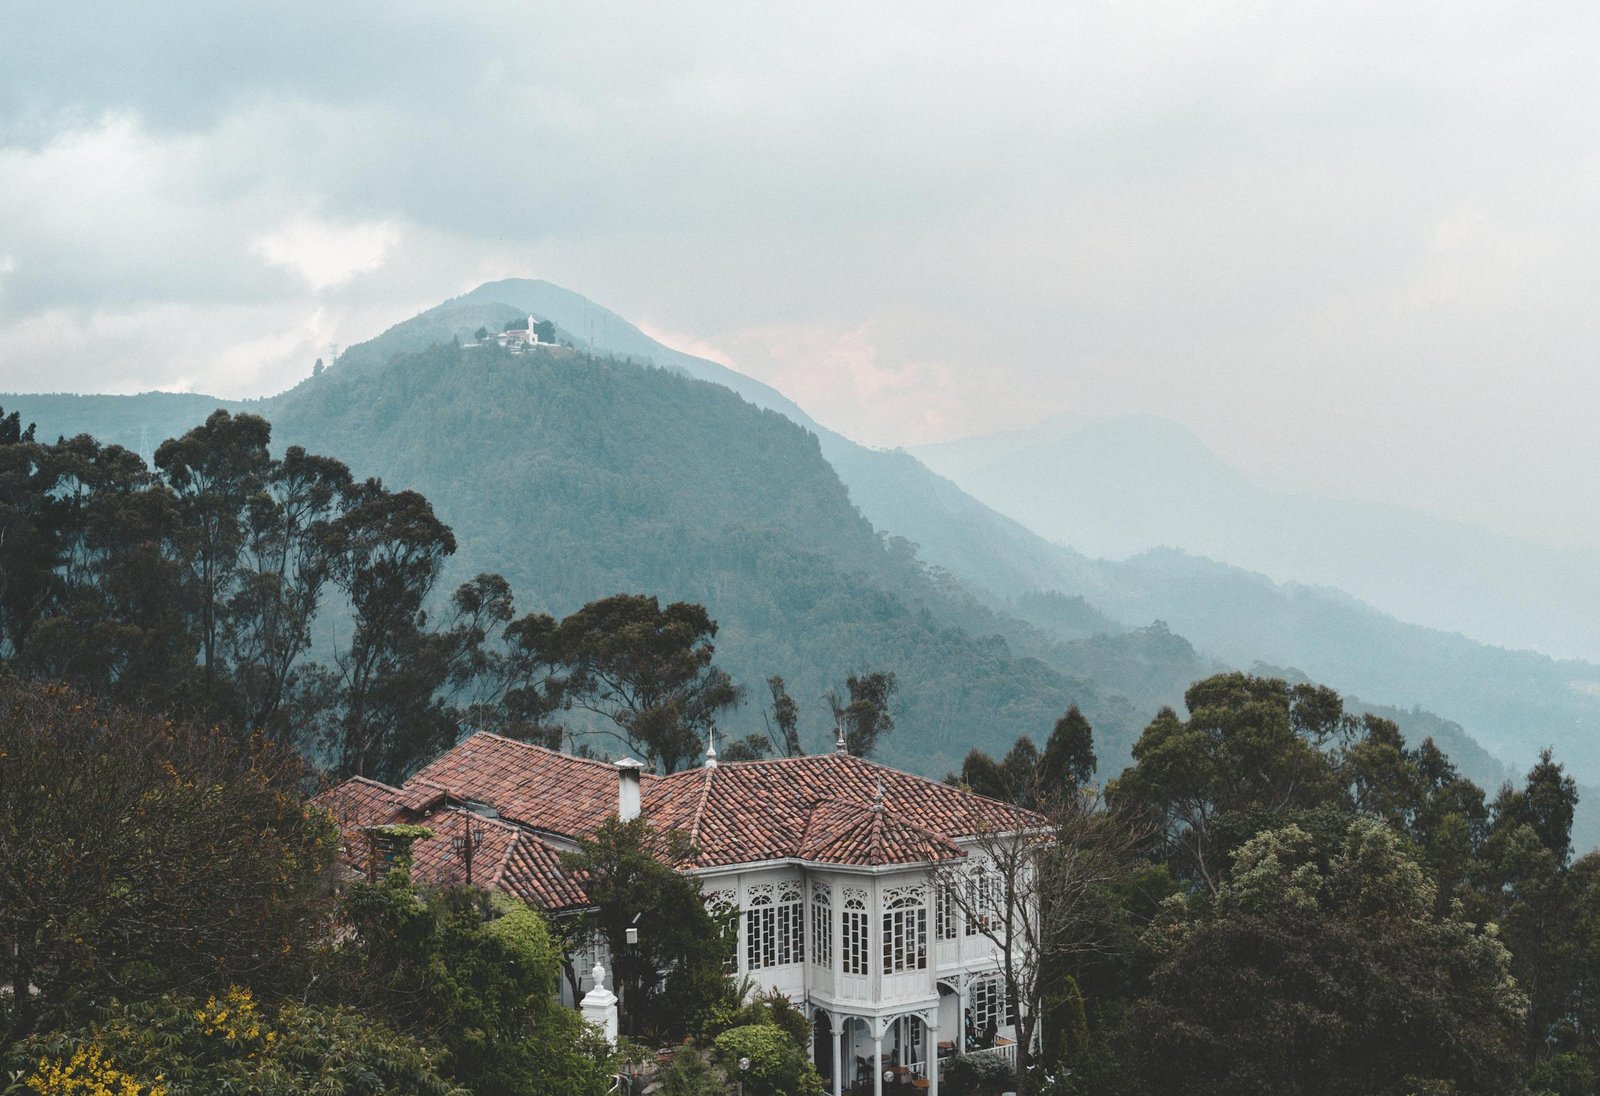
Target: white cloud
(326,254)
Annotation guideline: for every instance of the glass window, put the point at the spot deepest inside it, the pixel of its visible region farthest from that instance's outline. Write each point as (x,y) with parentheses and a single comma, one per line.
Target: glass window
(905,930)
(821,924)
(853,932)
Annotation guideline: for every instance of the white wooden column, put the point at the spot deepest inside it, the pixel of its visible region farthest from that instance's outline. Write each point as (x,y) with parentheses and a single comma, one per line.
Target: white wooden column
(838,1056)
(877,1060)
(930,1044)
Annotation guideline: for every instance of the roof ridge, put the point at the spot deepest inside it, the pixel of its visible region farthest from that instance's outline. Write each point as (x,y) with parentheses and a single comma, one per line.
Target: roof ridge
(366,780)
(700,807)
(542,749)
(505,858)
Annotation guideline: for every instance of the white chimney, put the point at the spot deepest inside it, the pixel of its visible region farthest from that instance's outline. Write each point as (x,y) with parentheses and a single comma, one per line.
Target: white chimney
(628,788)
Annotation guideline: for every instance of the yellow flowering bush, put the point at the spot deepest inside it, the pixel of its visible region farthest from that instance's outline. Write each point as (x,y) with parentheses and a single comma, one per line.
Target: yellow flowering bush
(87,1073)
(236,1019)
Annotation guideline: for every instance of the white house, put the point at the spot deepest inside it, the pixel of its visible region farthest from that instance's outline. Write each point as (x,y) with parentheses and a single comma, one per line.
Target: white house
(834,864)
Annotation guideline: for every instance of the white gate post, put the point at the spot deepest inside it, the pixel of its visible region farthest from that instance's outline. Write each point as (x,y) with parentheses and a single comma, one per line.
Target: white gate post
(599,1006)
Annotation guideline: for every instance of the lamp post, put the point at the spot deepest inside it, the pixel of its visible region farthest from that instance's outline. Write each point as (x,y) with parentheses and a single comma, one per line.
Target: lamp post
(744,1065)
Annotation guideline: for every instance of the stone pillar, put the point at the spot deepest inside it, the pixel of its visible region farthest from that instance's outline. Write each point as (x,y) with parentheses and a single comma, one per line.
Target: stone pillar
(838,1056)
(877,1060)
(599,1006)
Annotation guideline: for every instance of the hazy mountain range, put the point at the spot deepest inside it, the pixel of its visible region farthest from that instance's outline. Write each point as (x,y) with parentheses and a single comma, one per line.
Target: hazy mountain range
(578,476)
(1114,487)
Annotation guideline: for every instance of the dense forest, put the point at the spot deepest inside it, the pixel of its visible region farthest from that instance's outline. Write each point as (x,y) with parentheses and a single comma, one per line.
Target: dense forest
(576,477)
(1287,896)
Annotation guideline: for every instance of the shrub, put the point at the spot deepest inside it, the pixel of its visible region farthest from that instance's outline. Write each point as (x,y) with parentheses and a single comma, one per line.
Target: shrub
(777,1066)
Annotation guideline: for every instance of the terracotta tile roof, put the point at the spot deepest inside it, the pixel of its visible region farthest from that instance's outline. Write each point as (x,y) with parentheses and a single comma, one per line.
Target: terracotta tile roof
(762,810)
(529,784)
(827,808)
(842,831)
(505,857)
(533,873)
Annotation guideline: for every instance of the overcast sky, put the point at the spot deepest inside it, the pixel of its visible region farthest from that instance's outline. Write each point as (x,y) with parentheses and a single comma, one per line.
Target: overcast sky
(1354,246)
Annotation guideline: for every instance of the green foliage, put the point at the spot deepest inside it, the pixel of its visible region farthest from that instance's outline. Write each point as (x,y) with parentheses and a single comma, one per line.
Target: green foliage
(863,716)
(1068,760)
(690,1074)
(183,1046)
(1323,970)
(1065,1028)
(648,670)
(778,1066)
(472,974)
(977,1077)
(631,882)
(142,855)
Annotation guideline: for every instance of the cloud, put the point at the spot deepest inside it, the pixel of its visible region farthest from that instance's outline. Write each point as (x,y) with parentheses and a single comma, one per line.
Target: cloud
(324,254)
(1346,243)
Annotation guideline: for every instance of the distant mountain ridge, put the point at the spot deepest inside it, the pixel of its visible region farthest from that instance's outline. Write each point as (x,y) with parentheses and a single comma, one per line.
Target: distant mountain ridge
(1514,701)
(1117,486)
(1048,624)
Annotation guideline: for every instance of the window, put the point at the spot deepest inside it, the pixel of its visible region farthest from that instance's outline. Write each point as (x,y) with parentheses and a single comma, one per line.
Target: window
(774,930)
(983,898)
(905,930)
(853,932)
(988,1008)
(723,906)
(944,912)
(821,925)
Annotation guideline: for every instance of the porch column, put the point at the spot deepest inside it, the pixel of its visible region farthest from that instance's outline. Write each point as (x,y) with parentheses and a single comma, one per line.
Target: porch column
(930,1044)
(838,1057)
(877,1060)
(961,1016)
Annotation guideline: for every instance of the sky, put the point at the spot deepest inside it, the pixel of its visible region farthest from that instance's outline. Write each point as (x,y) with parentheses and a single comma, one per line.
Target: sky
(1353,246)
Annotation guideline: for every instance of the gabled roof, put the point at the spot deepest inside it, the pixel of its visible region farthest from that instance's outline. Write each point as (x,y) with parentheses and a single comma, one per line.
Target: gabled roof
(541,788)
(846,832)
(829,809)
(505,857)
(747,811)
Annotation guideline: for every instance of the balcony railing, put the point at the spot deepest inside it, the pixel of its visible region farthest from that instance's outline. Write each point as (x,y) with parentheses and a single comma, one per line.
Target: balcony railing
(1004,1049)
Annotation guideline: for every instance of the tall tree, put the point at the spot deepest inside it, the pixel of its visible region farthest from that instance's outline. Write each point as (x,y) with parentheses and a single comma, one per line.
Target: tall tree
(1251,750)
(862,716)
(1068,760)
(649,671)
(386,553)
(1323,970)
(216,470)
(284,571)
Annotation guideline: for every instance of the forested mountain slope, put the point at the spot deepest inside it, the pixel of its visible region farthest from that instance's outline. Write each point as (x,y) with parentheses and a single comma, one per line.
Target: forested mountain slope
(578,478)
(1515,701)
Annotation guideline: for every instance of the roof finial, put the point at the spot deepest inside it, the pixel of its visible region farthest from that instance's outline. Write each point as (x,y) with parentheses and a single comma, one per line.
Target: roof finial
(877,799)
(711,747)
(839,746)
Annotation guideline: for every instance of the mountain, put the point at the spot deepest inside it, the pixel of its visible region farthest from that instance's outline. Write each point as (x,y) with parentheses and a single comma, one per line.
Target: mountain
(1114,487)
(578,476)
(1131,473)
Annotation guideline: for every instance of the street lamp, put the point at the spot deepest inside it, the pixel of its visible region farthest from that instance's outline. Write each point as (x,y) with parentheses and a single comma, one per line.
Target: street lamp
(744,1065)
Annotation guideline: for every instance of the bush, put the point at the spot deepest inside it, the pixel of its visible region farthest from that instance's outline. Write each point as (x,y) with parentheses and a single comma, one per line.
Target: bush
(777,1066)
(977,1077)
(180,1046)
(147,857)
(691,1075)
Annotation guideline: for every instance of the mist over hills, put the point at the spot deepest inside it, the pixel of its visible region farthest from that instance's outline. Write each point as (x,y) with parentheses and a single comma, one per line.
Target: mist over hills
(578,476)
(1117,486)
